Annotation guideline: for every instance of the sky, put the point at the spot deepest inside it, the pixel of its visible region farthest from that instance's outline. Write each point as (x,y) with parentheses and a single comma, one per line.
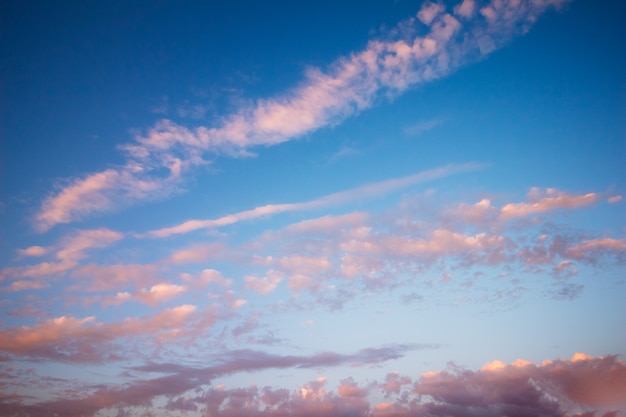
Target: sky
(380,208)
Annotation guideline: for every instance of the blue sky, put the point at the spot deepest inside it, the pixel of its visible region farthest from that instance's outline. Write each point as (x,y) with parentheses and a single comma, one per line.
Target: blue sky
(394,208)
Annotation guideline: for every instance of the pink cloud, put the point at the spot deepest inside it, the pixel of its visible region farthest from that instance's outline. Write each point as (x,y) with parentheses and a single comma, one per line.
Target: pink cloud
(328,224)
(547,200)
(266,284)
(95,277)
(24,285)
(86,340)
(362,192)
(481,212)
(206,277)
(592,250)
(152,296)
(72,247)
(201,252)
(106,191)
(33,251)
(68,251)
(465,8)
(555,388)
(41,269)
(429,12)
(441,242)
(350,85)
(583,386)
(178,380)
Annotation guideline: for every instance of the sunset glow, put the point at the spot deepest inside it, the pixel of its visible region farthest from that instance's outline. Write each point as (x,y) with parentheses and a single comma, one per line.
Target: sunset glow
(385,208)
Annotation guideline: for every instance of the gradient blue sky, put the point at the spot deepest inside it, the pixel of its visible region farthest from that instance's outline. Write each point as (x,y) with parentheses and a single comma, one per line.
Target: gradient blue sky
(389,208)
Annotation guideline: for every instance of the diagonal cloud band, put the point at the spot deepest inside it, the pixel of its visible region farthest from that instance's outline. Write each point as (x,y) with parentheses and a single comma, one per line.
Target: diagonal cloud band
(385,68)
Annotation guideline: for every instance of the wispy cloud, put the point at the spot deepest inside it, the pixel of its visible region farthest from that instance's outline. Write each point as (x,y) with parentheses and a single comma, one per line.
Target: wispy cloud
(365,191)
(86,340)
(351,84)
(419,128)
(67,253)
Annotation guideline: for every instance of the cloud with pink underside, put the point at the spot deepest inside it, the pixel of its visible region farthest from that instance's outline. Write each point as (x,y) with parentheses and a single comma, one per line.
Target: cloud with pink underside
(580,386)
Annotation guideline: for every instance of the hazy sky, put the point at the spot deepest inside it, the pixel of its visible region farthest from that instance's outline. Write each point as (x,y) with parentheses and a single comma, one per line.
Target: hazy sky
(353,208)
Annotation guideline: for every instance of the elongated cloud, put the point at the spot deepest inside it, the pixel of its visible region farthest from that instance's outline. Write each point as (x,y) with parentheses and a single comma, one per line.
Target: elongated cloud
(67,253)
(364,191)
(583,386)
(546,200)
(351,84)
(179,379)
(151,296)
(86,340)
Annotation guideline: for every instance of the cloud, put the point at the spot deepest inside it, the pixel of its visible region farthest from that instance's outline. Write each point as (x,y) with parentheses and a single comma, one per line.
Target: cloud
(33,251)
(466,8)
(418,129)
(429,12)
(200,252)
(105,191)
(86,340)
(344,152)
(206,277)
(592,250)
(546,200)
(180,379)
(365,191)
(151,296)
(95,277)
(583,386)
(328,224)
(68,252)
(266,284)
(350,85)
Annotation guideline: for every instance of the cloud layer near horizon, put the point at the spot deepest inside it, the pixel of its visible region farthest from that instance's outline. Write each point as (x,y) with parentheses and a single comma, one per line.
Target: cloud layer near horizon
(555,388)
(385,68)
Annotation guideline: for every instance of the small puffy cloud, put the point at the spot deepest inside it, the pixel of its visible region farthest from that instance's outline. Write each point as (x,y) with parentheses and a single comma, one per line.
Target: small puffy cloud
(151,296)
(206,277)
(465,8)
(266,284)
(482,212)
(429,12)
(33,251)
(198,253)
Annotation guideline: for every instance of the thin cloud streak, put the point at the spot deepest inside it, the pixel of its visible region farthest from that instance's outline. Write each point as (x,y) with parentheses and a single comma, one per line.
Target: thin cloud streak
(365,191)
(350,85)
